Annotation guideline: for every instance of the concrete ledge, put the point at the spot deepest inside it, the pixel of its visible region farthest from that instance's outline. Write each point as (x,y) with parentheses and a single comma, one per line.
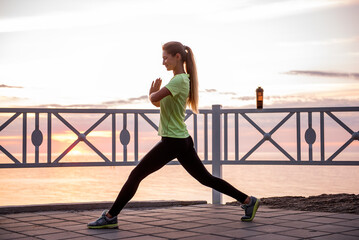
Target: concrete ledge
(92,206)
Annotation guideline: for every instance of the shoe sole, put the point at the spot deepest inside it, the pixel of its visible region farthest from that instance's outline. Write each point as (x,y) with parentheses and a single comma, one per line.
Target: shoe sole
(104,226)
(255,208)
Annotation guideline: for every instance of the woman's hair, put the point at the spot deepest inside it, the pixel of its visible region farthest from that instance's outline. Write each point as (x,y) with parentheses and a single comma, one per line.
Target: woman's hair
(188,58)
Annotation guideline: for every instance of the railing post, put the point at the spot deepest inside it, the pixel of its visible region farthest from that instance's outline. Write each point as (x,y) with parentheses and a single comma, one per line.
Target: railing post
(216,150)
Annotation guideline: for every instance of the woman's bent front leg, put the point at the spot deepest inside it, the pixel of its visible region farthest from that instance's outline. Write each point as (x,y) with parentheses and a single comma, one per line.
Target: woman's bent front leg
(155,159)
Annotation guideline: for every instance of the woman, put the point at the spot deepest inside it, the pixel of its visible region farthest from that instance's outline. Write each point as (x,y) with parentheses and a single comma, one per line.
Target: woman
(182,90)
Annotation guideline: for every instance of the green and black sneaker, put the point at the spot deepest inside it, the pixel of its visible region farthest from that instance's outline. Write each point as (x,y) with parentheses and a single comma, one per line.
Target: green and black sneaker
(104,222)
(250,209)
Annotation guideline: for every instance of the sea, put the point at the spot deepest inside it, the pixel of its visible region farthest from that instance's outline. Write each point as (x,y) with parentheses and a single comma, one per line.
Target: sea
(28,186)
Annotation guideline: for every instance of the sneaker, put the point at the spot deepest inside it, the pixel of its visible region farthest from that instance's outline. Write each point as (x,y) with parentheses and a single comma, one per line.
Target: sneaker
(250,209)
(104,222)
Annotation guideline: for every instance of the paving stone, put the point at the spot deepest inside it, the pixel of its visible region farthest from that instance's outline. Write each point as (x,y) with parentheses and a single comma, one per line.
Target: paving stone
(298,224)
(242,225)
(294,217)
(137,219)
(267,209)
(161,222)
(170,210)
(86,238)
(95,232)
(185,225)
(240,233)
(15,225)
(351,223)
(145,238)
(319,214)
(270,214)
(204,206)
(53,220)
(213,221)
(296,212)
(336,237)
(131,226)
(90,214)
(77,227)
(206,237)
(177,234)
(170,216)
(77,219)
(303,233)
(323,220)
(3,231)
(148,214)
(49,213)
(331,228)
(227,216)
(197,214)
(271,228)
(20,215)
(8,220)
(34,219)
(119,235)
(26,238)
(31,230)
(12,235)
(63,214)
(42,231)
(269,220)
(63,224)
(345,216)
(191,218)
(211,229)
(271,237)
(352,233)
(62,235)
(152,230)
(83,221)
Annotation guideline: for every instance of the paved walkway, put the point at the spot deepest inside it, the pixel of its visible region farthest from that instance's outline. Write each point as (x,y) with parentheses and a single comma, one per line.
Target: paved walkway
(190,222)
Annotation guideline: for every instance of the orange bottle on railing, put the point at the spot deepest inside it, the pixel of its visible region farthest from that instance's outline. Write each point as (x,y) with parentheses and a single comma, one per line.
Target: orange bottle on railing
(259,92)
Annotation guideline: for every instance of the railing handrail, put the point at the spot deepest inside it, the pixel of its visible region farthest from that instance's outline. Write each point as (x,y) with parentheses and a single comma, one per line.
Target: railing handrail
(145,110)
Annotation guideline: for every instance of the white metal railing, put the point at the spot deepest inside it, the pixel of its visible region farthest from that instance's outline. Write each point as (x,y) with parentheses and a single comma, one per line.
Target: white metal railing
(219,123)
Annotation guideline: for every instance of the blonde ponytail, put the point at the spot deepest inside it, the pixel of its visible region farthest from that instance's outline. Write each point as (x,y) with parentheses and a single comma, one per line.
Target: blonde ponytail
(191,69)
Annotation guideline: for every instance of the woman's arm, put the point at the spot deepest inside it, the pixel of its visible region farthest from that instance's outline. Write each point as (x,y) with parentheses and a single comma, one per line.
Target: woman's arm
(156,94)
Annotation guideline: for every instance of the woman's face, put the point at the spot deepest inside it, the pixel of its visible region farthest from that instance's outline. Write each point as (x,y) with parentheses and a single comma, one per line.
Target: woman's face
(169,61)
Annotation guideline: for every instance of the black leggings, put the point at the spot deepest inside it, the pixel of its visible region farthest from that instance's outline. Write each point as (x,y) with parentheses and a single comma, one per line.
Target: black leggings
(165,151)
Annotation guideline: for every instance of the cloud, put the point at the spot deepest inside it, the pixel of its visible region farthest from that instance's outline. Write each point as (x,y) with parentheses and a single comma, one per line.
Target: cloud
(210,90)
(306,101)
(10,99)
(244,98)
(71,106)
(265,9)
(7,86)
(272,98)
(216,91)
(100,105)
(127,101)
(333,41)
(324,74)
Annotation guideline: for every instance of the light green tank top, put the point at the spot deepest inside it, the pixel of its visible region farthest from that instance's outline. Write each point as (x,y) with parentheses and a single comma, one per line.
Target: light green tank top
(173,108)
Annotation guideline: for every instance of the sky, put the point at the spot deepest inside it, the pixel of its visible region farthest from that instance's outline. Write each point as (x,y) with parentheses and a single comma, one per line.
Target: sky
(105,54)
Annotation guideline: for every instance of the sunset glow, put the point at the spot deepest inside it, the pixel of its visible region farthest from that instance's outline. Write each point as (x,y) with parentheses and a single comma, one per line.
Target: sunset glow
(105,54)
(94,55)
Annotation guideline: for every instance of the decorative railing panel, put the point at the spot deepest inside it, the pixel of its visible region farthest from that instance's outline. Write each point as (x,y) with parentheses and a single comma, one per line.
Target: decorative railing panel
(219,133)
